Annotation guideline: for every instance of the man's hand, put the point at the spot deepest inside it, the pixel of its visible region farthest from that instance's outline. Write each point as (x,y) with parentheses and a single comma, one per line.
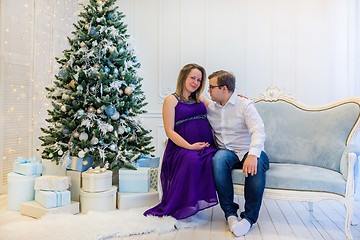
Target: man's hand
(199,146)
(250,165)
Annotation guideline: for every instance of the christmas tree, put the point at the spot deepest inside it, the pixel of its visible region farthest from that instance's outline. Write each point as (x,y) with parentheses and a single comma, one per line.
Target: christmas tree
(97,96)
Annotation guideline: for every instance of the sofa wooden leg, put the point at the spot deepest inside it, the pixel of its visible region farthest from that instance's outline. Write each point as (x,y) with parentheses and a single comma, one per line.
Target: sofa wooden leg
(349,212)
(311,206)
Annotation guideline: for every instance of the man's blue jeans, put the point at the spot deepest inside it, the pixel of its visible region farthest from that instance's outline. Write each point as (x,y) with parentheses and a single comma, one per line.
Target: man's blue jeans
(223,162)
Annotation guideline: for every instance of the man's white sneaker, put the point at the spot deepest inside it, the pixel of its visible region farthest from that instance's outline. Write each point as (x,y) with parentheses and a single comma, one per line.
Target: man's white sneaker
(240,228)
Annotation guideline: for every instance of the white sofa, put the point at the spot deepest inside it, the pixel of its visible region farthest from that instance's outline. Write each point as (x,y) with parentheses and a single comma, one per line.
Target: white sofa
(312,150)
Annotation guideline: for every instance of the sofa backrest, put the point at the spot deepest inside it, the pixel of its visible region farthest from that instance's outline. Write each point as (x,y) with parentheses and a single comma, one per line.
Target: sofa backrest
(315,136)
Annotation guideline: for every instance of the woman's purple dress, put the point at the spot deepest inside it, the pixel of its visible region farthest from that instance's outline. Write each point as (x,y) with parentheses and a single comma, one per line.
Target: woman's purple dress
(186,175)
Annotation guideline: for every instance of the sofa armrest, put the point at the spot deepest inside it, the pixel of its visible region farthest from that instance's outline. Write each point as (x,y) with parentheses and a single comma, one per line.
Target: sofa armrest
(344,162)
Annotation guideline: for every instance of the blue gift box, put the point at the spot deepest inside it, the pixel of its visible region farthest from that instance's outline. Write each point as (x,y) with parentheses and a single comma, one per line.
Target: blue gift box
(134,181)
(27,167)
(51,199)
(80,164)
(148,161)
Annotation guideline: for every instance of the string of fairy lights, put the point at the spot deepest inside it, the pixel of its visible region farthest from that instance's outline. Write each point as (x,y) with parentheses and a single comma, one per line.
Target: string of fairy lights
(43,36)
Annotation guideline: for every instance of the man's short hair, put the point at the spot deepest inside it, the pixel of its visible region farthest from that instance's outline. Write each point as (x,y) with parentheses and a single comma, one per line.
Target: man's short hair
(224,78)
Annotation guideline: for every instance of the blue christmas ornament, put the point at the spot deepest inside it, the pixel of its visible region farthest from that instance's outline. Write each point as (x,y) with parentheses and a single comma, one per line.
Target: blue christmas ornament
(63,73)
(107,70)
(110,110)
(101,142)
(127,112)
(92,31)
(135,60)
(110,15)
(128,129)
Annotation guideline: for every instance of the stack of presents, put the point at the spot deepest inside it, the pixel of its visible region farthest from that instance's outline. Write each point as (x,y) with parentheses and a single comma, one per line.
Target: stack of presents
(36,189)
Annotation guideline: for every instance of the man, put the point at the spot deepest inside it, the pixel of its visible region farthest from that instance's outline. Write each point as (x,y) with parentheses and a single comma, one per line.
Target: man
(239,135)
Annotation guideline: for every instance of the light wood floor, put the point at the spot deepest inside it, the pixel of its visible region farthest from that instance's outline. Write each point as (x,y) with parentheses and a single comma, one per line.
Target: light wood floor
(278,220)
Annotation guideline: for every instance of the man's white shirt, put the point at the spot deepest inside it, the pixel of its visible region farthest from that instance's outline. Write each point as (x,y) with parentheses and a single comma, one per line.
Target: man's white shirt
(237,126)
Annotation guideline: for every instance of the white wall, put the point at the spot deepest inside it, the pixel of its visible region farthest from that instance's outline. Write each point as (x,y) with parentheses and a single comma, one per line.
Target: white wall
(308,48)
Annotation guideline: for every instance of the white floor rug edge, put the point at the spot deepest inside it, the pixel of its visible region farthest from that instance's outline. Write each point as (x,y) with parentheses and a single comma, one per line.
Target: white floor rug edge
(96,225)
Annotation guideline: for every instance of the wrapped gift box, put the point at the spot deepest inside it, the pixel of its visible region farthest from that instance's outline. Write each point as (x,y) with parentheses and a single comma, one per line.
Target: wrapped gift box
(35,210)
(53,183)
(27,167)
(74,189)
(148,161)
(134,180)
(154,178)
(135,200)
(80,164)
(20,189)
(50,168)
(96,181)
(51,199)
(99,201)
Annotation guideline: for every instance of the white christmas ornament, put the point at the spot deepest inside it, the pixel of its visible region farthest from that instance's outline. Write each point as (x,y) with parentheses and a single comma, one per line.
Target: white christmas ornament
(110,128)
(83,136)
(60,152)
(121,130)
(113,147)
(115,116)
(63,108)
(94,141)
(81,154)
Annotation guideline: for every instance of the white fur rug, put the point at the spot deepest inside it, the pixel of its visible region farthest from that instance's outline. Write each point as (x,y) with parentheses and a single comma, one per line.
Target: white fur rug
(96,225)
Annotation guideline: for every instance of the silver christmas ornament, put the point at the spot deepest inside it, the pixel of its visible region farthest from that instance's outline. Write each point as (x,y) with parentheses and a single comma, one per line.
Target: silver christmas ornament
(121,130)
(110,128)
(113,147)
(94,141)
(115,116)
(83,136)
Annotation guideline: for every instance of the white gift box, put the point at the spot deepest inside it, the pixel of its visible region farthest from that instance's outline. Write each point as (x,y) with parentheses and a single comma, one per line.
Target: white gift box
(96,182)
(135,200)
(53,183)
(99,201)
(35,210)
(51,199)
(20,189)
(27,167)
(50,168)
(134,180)
(74,189)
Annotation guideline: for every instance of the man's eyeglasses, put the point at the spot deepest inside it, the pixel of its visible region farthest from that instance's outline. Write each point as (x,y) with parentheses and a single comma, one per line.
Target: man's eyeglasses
(219,86)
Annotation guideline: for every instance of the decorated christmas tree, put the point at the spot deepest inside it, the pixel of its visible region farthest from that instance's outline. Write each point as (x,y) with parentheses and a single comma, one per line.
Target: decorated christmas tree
(97,96)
